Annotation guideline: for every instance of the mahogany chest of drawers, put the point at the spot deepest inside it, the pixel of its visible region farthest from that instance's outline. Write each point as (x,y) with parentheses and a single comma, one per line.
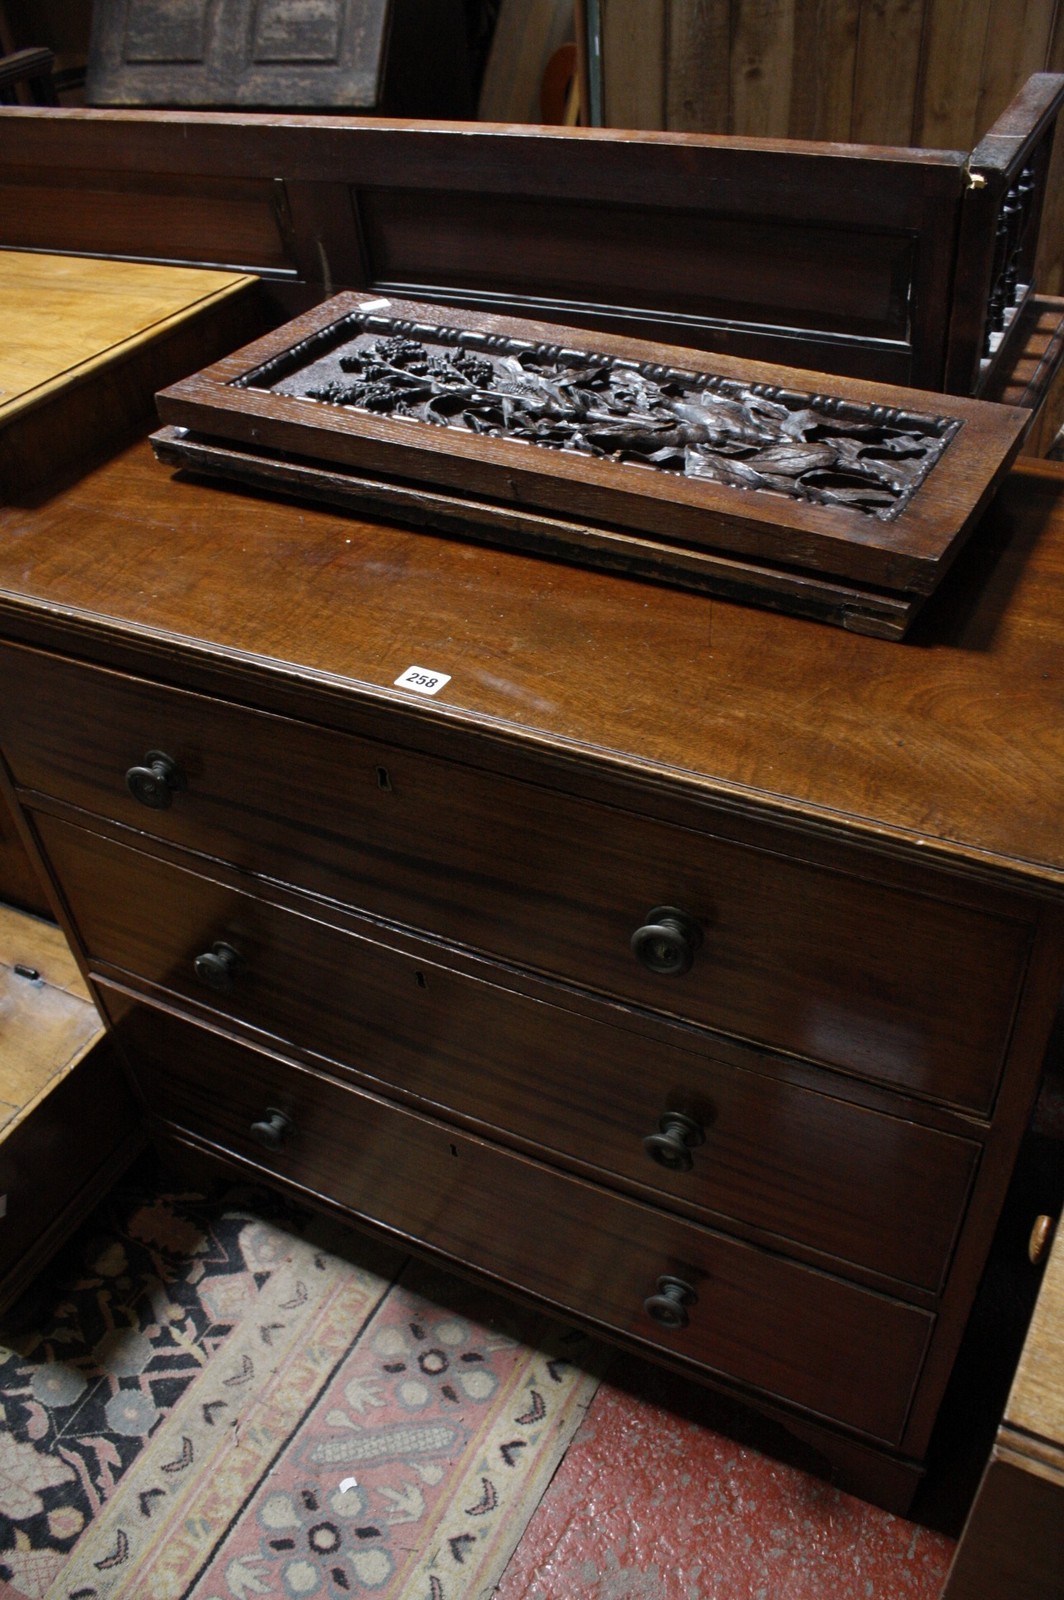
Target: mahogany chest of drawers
(683,967)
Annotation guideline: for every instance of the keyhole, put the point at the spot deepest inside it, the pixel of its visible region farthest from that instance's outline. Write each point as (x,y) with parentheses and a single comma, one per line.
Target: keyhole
(383,780)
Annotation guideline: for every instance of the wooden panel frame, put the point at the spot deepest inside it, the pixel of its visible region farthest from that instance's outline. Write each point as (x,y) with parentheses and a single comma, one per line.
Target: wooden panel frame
(620,232)
(1022,138)
(908,553)
(289,197)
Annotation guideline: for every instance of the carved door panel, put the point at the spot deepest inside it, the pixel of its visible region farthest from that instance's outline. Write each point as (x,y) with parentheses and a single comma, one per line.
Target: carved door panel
(345,55)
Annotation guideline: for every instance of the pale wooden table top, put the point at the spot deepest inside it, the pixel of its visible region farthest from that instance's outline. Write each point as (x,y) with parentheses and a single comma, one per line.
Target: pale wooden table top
(63,316)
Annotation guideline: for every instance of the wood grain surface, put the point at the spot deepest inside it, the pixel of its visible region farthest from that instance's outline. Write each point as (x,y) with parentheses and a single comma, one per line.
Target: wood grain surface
(598,1254)
(1036,1404)
(47,1021)
(865,823)
(539,222)
(554,883)
(927,73)
(905,553)
(950,748)
(410,1018)
(66,316)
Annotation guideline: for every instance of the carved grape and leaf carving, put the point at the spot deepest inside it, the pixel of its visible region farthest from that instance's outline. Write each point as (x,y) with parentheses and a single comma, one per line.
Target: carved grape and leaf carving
(748,436)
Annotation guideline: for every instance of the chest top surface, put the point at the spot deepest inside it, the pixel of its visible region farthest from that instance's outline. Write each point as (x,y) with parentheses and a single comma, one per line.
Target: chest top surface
(951,744)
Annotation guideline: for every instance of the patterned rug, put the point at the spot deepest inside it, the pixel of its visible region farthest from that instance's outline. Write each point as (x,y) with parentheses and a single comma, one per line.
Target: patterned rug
(224,1397)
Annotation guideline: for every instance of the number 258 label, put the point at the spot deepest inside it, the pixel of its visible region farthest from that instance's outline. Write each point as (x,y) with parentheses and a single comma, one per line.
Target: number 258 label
(422,681)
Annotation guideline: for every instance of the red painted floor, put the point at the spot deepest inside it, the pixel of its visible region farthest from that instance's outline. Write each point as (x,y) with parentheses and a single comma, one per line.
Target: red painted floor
(669,1492)
(651,1504)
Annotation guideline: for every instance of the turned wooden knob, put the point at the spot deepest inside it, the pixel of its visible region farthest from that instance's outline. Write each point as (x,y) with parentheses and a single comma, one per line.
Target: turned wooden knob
(156,782)
(274,1129)
(218,967)
(672,1144)
(1041,1234)
(668,1307)
(667,941)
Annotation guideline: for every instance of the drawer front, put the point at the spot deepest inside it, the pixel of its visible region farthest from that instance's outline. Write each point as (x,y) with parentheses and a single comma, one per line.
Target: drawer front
(780,1157)
(759,1319)
(892,985)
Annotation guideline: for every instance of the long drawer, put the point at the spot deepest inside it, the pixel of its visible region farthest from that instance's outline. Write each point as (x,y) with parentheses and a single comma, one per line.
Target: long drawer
(889,983)
(844,1352)
(849,1182)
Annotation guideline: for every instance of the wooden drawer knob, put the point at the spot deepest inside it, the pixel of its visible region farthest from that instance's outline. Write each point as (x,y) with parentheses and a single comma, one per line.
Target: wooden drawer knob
(1038,1243)
(668,1307)
(218,967)
(156,782)
(667,941)
(676,1137)
(274,1129)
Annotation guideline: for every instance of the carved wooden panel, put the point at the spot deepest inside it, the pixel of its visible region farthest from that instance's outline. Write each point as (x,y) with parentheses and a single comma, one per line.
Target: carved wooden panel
(795,472)
(355,55)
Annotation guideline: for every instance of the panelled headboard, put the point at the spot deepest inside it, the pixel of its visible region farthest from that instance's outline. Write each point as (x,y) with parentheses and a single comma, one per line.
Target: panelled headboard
(862,260)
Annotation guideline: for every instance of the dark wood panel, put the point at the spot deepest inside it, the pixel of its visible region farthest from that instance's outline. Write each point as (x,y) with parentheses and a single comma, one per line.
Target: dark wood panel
(857,245)
(765,287)
(58,1162)
(216,221)
(20,884)
(1011,1547)
(779,1157)
(788,951)
(848,1354)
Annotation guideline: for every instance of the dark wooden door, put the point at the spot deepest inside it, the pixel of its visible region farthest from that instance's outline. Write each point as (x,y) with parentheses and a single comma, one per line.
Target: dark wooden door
(349,55)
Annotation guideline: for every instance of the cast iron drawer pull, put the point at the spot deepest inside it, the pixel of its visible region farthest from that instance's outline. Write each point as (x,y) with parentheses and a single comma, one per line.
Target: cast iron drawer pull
(669,1306)
(676,1137)
(218,967)
(667,941)
(156,782)
(273,1130)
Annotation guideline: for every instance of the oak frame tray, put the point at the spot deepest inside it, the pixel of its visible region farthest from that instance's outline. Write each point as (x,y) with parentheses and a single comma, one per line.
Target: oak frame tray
(596,440)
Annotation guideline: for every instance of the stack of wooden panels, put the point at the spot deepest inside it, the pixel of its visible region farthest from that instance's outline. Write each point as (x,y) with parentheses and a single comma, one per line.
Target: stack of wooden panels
(829,497)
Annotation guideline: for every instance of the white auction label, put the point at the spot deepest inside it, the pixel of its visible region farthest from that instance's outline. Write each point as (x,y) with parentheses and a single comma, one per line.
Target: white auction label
(422,681)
